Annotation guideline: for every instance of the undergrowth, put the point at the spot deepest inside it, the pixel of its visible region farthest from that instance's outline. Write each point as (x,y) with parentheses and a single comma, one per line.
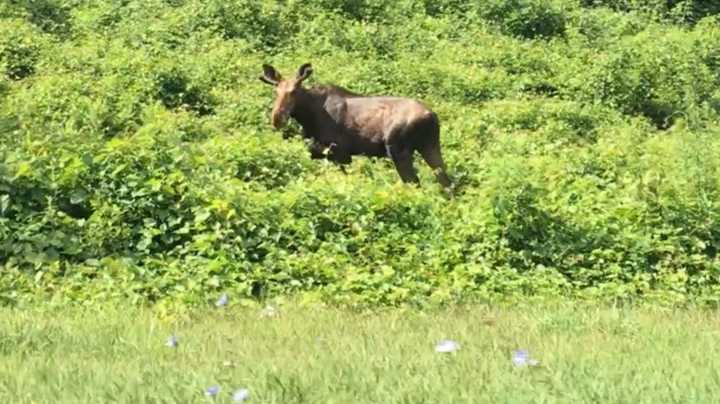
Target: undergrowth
(137,161)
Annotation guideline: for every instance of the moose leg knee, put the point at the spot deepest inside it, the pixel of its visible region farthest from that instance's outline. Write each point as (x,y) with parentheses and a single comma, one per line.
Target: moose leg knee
(403,160)
(317,150)
(433,157)
(317,155)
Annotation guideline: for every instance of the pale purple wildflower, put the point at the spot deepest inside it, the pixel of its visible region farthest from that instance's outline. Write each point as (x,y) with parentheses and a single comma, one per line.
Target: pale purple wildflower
(212,391)
(172,341)
(241,395)
(521,358)
(222,301)
(447,346)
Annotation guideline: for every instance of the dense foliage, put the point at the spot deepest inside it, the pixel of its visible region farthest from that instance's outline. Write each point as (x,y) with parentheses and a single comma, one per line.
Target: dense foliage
(137,160)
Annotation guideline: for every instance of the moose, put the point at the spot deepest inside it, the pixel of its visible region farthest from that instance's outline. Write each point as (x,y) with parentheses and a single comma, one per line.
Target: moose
(340,124)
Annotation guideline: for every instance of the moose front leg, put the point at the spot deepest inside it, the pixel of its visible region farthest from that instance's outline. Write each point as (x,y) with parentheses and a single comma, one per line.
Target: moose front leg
(317,150)
(339,156)
(333,153)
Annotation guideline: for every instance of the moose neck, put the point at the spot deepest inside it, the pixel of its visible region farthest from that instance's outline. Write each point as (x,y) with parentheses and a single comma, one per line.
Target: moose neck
(308,112)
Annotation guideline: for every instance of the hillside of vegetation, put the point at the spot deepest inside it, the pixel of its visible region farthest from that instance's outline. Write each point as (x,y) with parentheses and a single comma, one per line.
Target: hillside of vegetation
(137,161)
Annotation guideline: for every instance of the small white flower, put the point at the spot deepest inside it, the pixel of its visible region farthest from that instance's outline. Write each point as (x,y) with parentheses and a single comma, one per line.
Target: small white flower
(212,391)
(447,346)
(241,395)
(521,358)
(222,301)
(172,341)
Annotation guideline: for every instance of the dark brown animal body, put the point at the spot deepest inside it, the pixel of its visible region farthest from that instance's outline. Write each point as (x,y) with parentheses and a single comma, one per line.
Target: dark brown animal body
(341,124)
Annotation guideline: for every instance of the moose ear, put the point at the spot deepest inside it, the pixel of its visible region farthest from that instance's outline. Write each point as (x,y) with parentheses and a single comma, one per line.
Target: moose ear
(268,81)
(304,72)
(270,75)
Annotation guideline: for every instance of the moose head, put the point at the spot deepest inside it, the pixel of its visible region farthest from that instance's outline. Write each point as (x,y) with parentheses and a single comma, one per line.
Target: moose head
(287,91)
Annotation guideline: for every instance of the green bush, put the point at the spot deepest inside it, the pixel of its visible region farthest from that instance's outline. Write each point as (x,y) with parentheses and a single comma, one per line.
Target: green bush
(20,46)
(660,73)
(50,16)
(678,10)
(137,159)
(526,18)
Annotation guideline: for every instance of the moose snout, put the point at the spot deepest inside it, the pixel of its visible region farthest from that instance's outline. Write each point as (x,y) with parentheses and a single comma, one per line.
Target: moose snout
(279,119)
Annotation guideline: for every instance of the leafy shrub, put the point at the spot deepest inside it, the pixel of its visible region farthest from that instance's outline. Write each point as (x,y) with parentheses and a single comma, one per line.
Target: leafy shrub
(264,25)
(50,16)
(552,120)
(20,47)
(679,10)
(526,18)
(658,78)
(602,27)
(356,9)
(137,161)
(444,7)
(174,91)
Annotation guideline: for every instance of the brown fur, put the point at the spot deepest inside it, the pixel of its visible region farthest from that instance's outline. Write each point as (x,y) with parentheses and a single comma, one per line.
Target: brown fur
(342,124)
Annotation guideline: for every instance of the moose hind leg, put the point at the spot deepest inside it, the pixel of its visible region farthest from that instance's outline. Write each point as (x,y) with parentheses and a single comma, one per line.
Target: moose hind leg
(433,157)
(403,160)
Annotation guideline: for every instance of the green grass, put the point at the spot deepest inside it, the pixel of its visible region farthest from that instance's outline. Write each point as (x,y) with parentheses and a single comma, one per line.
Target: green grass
(587,354)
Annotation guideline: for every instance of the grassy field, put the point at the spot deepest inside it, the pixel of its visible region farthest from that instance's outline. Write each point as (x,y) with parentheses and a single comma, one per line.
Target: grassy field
(302,355)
